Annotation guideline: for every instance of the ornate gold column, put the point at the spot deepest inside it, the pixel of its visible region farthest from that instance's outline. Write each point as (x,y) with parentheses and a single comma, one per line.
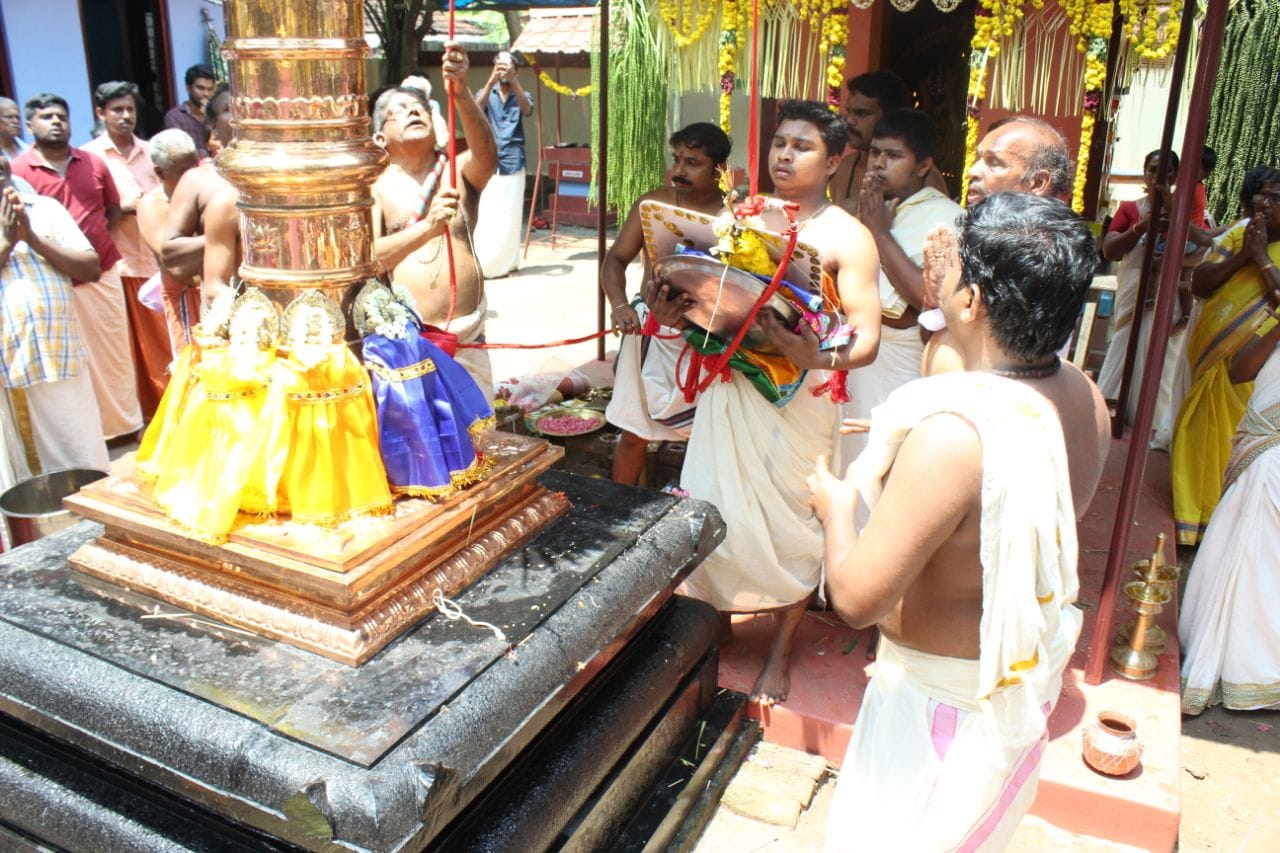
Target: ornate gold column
(302,156)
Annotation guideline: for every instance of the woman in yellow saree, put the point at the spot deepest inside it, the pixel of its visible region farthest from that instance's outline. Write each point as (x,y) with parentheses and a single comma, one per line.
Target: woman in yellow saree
(1242,286)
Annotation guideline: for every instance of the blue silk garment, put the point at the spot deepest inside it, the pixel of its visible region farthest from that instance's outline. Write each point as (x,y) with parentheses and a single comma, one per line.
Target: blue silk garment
(431,415)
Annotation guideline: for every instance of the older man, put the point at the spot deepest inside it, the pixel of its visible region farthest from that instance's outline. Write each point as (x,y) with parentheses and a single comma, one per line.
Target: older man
(129,160)
(42,354)
(173,154)
(505,103)
(11,142)
(410,240)
(1021,154)
(82,184)
(968,561)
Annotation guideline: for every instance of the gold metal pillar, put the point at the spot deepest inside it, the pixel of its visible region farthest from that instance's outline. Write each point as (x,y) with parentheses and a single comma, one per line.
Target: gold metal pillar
(302,157)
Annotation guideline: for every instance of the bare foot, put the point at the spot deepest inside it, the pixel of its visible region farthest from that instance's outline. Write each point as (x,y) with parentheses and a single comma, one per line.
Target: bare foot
(774,682)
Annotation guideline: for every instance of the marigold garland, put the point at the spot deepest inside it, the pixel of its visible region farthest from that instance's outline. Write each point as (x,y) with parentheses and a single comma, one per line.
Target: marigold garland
(728,60)
(835,38)
(553,85)
(673,13)
(1142,27)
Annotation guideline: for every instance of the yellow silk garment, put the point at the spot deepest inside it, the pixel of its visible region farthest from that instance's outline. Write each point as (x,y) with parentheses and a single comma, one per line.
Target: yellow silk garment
(319,459)
(163,429)
(1213,406)
(207,457)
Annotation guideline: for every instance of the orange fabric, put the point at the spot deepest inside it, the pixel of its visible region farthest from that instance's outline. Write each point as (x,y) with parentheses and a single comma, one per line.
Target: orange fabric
(149,343)
(175,294)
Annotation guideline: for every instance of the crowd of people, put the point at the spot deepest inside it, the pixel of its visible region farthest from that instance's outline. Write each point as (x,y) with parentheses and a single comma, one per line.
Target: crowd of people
(937,501)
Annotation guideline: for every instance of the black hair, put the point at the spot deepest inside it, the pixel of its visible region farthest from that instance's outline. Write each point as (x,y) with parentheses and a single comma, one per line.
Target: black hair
(1254,180)
(44,100)
(831,126)
(1033,259)
(379,115)
(708,137)
(913,127)
(1174,162)
(1208,159)
(221,95)
(199,72)
(885,86)
(108,92)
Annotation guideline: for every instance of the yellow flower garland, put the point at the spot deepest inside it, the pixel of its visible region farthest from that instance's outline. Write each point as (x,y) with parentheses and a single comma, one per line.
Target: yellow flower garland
(727,61)
(673,15)
(835,39)
(1142,27)
(580,92)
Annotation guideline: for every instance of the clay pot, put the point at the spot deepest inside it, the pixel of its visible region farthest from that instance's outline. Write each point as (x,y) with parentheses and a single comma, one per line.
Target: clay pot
(1111,744)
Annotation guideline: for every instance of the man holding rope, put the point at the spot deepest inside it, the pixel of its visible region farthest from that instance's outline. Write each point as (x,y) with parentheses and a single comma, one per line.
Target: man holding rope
(418,235)
(748,455)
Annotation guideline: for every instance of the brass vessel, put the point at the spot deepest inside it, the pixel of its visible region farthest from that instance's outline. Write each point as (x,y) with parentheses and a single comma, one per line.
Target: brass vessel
(304,162)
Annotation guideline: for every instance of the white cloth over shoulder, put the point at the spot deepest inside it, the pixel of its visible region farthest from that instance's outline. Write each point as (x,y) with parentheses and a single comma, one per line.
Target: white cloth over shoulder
(1229,623)
(647,400)
(750,458)
(470,328)
(945,753)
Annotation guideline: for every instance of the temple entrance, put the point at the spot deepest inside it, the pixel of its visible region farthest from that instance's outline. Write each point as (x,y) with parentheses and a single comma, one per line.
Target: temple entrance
(929,49)
(128,40)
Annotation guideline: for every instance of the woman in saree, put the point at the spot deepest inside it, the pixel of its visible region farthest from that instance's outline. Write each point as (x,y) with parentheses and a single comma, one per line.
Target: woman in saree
(1238,289)
(1126,241)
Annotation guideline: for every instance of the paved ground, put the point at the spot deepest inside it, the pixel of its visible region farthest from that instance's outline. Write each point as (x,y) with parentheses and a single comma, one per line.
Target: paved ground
(1231,761)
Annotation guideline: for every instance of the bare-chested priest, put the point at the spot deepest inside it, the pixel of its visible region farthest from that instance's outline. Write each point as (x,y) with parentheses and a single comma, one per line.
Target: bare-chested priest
(414,249)
(968,560)
(749,455)
(647,404)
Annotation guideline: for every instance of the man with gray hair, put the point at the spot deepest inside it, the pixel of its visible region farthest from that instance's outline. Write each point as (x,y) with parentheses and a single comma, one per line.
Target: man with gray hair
(11,143)
(1021,154)
(173,154)
(505,104)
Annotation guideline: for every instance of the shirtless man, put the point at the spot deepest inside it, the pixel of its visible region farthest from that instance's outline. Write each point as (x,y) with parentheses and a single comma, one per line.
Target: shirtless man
(1027,155)
(647,405)
(749,456)
(173,154)
(968,560)
(188,221)
(415,251)
(871,97)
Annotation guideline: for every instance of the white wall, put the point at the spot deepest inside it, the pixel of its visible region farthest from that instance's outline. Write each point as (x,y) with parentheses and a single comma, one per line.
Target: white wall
(188,37)
(46,50)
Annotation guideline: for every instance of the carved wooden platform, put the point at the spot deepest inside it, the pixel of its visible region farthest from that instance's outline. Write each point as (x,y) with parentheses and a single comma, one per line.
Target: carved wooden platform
(342,592)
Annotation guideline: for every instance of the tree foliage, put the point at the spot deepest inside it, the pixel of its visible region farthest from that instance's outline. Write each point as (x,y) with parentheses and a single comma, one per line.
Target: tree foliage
(401,25)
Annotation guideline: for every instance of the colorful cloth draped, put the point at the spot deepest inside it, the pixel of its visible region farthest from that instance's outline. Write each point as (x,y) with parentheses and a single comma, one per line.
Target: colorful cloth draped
(750,458)
(1228,625)
(430,415)
(1213,405)
(945,752)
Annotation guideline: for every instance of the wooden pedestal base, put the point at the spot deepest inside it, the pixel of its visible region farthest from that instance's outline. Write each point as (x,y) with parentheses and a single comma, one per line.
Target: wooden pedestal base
(342,592)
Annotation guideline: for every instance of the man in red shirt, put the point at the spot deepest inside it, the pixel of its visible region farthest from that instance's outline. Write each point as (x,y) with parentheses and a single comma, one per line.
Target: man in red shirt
(83,185)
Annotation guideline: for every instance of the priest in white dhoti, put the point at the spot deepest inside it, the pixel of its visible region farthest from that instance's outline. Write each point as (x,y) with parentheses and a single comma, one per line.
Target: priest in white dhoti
(1229,622)
(968,560)
(756,434)
(900,210)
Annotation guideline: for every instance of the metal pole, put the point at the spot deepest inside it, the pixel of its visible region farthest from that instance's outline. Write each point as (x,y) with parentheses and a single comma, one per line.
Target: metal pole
(1157,203)
(602,173)
(1135,465)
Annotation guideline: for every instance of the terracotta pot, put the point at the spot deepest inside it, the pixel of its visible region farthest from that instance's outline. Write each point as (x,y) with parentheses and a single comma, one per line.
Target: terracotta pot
(1111,744)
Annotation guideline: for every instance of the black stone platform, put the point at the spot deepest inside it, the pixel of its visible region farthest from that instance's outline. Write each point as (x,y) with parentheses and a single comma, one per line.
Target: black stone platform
(132,722)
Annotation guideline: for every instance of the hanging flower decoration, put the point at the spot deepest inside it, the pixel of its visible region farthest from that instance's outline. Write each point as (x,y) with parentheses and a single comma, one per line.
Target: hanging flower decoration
(1091,24)
(553,85)
(835,37)
(674,13)
(728,61)
(1142,28)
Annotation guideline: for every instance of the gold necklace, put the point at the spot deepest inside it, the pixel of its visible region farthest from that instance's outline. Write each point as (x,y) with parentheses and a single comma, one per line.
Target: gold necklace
(824,206)
(418,253)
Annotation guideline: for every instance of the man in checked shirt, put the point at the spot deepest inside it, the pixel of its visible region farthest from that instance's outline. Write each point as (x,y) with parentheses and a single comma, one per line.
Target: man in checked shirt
(42,353)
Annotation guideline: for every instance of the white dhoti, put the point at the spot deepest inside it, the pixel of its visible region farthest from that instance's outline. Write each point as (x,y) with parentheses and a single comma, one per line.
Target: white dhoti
(896,364)
(65,425)
(103,320)
(497,234)
(647,400)
(470,329)
(945,752)
(1229,623)
(750,458)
